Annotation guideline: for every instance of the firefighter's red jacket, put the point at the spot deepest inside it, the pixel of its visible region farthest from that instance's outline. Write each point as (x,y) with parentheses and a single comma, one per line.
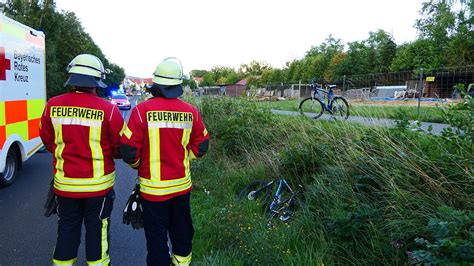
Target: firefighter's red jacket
(82,131)
(163,135)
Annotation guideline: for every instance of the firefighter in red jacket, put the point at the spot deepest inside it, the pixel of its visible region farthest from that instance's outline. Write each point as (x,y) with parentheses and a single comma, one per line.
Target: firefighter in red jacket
(165,134)
(83,131)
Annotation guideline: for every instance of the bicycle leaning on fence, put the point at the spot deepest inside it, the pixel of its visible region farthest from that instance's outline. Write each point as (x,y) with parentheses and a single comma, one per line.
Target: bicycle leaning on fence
(315,105)
(284,201)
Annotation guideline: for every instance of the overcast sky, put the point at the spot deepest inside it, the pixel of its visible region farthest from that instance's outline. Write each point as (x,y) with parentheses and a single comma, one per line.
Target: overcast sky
(138,34)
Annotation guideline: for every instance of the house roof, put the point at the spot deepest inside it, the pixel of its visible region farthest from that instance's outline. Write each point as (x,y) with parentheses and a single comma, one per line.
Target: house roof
(242,82)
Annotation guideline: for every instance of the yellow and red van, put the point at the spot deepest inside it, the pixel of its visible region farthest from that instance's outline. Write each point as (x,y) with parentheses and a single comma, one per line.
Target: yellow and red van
(22,95)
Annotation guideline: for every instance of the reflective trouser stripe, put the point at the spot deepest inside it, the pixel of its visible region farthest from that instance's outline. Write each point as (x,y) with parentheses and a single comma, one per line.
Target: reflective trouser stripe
(96,151)
(84,184)
(58,153)
(180,260)
(65,262)
(155,163)
(184,142)
(105,259)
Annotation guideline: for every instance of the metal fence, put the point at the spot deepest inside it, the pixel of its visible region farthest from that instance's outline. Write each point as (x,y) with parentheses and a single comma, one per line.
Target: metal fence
(228,91)
(434,83)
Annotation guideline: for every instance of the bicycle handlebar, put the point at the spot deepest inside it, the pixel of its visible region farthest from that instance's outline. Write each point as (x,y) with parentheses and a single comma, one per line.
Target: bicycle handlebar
(322,85)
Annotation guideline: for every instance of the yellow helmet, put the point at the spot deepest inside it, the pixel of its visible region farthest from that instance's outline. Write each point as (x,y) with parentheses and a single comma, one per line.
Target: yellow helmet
(86,70)
(169,72)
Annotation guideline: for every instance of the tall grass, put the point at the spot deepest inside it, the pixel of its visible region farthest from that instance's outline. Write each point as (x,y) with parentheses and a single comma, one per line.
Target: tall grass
(370,192)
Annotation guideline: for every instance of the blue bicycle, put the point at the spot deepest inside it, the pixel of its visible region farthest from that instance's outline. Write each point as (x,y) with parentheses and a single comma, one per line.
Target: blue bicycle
(283,203)
(315,105)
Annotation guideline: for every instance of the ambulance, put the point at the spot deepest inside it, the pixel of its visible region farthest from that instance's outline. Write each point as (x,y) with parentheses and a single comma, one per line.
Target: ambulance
(22,95)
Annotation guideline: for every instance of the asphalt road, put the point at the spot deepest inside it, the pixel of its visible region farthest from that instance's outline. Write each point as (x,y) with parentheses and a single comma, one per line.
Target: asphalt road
(28,238)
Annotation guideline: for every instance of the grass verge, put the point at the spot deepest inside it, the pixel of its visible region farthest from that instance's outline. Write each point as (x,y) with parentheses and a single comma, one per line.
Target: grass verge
(373,195)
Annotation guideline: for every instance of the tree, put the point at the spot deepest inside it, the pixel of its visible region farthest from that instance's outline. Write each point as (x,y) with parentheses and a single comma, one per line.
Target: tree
(449,29)
(254,68)
(197,73)
(208,79)
(65,39)
(421,53)
(382,51)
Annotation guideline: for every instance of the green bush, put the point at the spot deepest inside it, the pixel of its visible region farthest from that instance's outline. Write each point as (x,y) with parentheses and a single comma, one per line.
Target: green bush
(450,239)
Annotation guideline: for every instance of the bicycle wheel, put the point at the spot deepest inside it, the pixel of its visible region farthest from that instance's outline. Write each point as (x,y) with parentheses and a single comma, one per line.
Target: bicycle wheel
(311,107)
(255,190)
(339,107)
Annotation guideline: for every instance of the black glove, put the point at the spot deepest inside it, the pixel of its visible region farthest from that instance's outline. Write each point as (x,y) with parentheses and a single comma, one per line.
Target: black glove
(50,205)
(132,213)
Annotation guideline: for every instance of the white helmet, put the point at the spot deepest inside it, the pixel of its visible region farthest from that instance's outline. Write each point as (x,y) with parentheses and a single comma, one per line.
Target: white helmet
(86,70)
(169,72)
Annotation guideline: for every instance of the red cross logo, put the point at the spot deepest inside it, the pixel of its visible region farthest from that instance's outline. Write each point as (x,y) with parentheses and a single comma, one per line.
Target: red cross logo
(4,64)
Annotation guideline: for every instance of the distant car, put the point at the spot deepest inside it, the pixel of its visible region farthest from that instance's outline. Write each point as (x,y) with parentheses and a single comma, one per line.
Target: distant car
(121,101)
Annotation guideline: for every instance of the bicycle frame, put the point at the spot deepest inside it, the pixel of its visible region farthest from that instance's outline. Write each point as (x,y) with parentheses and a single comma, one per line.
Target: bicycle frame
(277,198)
(281,205)
(319,88)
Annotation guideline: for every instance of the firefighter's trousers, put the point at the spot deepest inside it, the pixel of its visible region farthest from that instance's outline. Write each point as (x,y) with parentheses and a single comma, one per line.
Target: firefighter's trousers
(95,213)
(171,217)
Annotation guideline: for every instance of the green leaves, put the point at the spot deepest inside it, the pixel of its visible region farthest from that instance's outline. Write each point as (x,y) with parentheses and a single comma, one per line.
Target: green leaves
(450,239)
(65,39)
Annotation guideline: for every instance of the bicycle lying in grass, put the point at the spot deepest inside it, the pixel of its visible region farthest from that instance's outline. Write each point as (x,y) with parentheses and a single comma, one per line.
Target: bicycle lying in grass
(315,105)
(284,201)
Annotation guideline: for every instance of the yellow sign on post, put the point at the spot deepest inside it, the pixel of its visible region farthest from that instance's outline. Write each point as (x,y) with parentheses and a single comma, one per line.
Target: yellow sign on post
(430,79)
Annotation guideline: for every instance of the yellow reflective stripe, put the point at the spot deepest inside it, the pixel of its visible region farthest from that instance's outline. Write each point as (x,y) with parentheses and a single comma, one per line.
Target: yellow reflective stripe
(105,259)
(20,128)
(205,132)
(35,108)
(84,188)
(155,160)
(164,191)
(181,260)
(105,243)
(184,142)
(13,30)
(164,183)
(85,181)
(65,262)
(84,184)
(2,113)
(96,150)
(192,155)
(135,164)
(58,153)
(125,130)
